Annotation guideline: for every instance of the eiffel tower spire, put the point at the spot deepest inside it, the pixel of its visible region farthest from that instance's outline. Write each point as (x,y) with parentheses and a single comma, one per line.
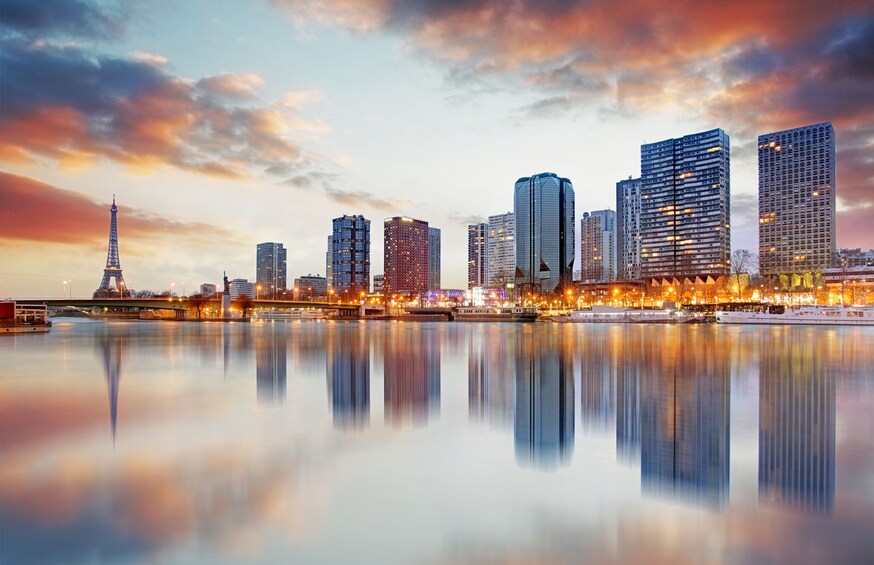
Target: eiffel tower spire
(113,264)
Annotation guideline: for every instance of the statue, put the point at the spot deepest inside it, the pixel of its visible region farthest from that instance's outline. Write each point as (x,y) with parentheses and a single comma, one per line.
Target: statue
(227,284)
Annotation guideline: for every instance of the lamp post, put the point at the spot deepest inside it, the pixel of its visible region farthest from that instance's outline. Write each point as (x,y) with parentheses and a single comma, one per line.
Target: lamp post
(172,288)
(65,289)
(257,292)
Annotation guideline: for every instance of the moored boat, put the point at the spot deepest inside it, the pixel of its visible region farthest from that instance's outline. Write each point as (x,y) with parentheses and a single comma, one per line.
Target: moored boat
(23,318)
(497,314)
(801,315)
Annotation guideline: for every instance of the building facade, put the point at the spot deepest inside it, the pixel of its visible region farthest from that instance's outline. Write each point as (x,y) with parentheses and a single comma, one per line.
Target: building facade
(406,254)
(797,200)
(378,284)
(477,254)
(271,269)
(350,264)
(628,229)
(857,257)
(598,246)
(309,286)
(685,207)
(433,258)
(501,252)
(544,215)
(207,290)
(240,287)
(329,262)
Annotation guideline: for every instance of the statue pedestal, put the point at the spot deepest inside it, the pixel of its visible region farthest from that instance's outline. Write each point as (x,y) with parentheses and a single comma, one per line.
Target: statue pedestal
(226,306)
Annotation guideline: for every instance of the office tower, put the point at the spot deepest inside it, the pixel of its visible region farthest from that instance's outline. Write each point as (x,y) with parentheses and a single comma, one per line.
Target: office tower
(685,207)
(329,262)
(598,246)
(350,264)
(797,200)
(270,365)
(501,250)
(477,254)
(544,213)
(271,269)
(309,286)
(239,287)
(378,284)
(405,255)
(796,424)
(628,229)
(433,258)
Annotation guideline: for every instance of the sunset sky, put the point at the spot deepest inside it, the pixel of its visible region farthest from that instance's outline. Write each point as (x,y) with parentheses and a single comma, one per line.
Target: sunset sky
(222,124)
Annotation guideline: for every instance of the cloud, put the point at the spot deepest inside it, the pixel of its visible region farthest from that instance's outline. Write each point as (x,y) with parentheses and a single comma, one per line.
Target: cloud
(31,210)
(361,198)
(466,220)
(75,18)
(61,104)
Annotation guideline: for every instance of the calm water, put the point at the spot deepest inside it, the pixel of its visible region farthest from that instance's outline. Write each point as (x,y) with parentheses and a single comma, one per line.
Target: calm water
(313,442)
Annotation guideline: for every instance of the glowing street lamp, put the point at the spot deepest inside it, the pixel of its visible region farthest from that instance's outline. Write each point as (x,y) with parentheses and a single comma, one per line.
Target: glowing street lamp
(65,289)
(258,292)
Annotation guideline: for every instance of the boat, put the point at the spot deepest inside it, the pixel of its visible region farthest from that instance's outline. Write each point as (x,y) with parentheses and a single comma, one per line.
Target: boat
(806,315)
(614,315)
(23,318)
(283,315)
(497,314)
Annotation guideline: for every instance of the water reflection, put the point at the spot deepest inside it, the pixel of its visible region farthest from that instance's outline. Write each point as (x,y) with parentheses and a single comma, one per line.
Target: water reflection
(112,350)
(629,372)
(796,424)
(685,411)
(544,422)
(411,365)
(490,374)
(349,375)
(597,359)
(270,364)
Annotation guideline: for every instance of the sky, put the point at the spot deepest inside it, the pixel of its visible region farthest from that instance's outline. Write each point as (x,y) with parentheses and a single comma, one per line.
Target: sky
(219,125)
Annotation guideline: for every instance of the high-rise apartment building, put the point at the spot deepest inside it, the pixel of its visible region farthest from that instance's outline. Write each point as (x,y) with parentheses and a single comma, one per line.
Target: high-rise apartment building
(685,207)
(628,229)
(405,255)
(433,258)
(329,262)
(350,262)
(477,254)
(797,199)
(544,213)
(378,284)
(271,269)
(598,246)
(501,251)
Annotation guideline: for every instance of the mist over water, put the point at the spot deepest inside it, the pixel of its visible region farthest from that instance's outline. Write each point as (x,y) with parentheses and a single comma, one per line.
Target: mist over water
(397,442)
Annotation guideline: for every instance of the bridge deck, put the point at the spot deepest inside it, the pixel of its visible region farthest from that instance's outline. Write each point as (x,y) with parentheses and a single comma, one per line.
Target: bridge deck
(176,303)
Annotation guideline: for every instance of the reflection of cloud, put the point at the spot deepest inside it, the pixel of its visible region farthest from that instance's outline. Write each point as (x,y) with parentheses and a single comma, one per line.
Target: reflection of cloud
(31,210)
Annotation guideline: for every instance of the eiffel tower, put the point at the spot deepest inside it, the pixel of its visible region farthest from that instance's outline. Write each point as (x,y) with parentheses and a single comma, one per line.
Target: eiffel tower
(113,265)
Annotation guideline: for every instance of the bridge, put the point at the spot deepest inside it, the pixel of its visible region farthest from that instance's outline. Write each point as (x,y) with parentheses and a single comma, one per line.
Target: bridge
(179,303)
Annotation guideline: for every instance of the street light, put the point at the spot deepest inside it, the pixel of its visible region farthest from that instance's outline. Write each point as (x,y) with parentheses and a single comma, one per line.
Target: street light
(172,287)
(65,289)
(258,292)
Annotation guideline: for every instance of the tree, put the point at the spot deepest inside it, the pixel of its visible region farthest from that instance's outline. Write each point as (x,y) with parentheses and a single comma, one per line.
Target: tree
(742,262)
(844,273)
(198,302)
(244,303)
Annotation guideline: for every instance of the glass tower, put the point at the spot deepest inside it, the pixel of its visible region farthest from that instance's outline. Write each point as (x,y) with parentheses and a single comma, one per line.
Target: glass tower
(271,269)
(797,199)
(350,256)
(685,207)
(501,250)
(477,254)
(628,229)
(544,213)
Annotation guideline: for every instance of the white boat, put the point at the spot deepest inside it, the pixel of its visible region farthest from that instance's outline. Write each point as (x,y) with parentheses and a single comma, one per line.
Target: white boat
(614,315)
(309,314)
(497,314)
(809,315)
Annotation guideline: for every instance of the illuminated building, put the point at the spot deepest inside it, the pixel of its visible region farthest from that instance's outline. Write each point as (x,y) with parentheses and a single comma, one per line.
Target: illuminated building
(598,246)
(501,251)
(433,258)
(406,254)
(797,200)
(311,286)
(544,213)
(477,254)
(270,269)
(350,262)
(240,287)
(685,207)
(628,229)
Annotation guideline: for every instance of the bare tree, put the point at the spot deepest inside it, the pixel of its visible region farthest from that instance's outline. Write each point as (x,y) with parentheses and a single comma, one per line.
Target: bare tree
(245,303)
(844,273)
(742,262)
(198,302)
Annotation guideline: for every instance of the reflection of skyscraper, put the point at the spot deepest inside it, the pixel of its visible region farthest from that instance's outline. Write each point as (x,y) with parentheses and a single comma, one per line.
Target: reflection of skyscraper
(112,348)
(349,376)
(412,375)
(796,425)
(685,419)
(270,364)
(490,377)
(596,359)
(544,423)
(629,372)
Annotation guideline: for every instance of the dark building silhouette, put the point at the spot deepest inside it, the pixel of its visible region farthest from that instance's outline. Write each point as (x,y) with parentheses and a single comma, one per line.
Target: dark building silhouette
(796,425)
(348,371)
(685,412)
(544,420)
(270,364)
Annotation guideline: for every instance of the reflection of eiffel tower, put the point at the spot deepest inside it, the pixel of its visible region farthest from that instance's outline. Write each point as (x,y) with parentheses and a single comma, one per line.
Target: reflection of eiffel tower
(113,265)
(112,353)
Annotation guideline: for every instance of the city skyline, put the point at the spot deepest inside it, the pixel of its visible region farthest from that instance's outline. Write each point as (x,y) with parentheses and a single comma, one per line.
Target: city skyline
(216,137)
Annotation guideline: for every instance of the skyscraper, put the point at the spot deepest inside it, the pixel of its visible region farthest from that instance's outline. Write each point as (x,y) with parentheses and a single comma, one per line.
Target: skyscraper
(544,213)
(501,251)
(350,262)
(598,246)
(433,258)
(685,207)
(405,255)
(797,199)
(329,262)
(477,254)
(271,269)
(628,229)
